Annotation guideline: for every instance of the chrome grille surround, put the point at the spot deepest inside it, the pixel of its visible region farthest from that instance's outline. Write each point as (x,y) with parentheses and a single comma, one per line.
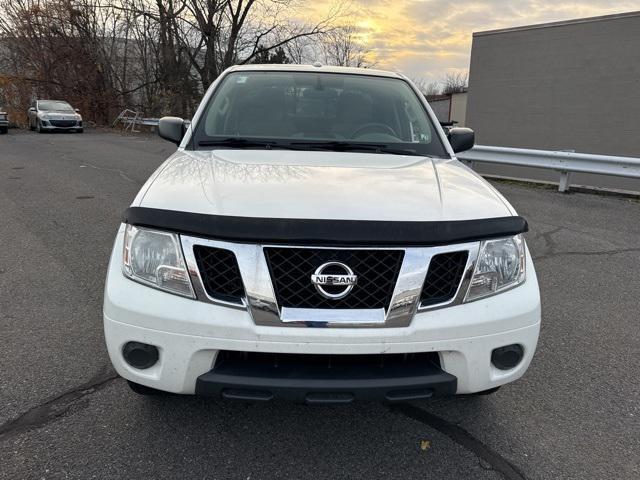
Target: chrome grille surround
(260,300)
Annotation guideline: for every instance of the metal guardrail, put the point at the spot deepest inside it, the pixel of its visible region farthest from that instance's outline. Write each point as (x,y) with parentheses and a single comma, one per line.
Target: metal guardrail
(150,122)
(564,162)
(131,118)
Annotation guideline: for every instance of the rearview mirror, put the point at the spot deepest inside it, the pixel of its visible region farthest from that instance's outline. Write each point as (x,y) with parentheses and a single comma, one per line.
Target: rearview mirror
(172,129)
(461,139)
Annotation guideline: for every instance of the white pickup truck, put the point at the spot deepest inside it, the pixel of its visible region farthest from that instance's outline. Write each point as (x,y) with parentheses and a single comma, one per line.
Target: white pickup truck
(314,239)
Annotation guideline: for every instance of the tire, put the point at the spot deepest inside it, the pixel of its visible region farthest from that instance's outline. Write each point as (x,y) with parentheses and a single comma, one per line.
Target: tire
(80,130)
(144,390)
(31,127)
(39,127)
(4,129)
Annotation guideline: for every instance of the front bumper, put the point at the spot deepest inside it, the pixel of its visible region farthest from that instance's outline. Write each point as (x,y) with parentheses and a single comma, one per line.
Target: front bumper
(318,379)
(60,125)
(189,334)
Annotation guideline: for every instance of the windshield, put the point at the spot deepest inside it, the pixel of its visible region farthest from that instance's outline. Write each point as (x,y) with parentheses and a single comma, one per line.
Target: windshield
(308,110)
(54,105)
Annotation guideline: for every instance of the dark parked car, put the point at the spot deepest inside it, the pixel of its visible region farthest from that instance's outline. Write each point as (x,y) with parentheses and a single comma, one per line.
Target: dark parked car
(4,121)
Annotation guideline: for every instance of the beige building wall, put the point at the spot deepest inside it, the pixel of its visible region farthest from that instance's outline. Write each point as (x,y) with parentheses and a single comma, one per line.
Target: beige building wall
(567,85)
(450,108)
(458,111)
(441,108)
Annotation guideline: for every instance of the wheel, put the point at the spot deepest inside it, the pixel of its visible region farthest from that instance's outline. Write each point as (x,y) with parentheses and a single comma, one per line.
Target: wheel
(39,127)
(4,129)
(80,130)
(31,127)
(144,390)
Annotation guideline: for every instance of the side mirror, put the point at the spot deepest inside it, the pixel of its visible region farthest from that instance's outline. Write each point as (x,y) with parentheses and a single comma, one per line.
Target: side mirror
(461,139)
(32,109)
(172,129)
(77,110)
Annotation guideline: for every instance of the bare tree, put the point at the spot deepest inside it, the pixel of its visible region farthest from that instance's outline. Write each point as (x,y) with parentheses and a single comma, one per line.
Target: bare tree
(427,88)
(60,51)
(216,34)
(342,47)
(455,82)
(153,55)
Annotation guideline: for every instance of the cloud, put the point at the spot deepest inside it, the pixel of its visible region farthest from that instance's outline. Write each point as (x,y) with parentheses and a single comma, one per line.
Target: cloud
(427,38)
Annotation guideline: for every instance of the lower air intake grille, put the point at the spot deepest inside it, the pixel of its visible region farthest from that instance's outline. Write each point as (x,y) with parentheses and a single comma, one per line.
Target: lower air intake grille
(444,276)
(331,364)
(291,270)
(220,273)
(62,123)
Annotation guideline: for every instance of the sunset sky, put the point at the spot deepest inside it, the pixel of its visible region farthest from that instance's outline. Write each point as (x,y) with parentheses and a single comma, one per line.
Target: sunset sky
(427,38)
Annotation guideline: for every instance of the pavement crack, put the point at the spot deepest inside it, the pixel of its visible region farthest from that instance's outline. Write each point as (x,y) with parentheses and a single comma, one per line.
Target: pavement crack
(549,240)
(54,408)
(119,172)
(574,253)
(463,438)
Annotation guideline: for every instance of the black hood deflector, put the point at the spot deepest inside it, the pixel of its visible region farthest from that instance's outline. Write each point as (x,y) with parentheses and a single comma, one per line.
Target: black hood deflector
(294,231)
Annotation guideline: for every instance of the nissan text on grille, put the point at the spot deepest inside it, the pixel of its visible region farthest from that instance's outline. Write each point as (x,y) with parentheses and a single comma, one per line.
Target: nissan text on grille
(314,239)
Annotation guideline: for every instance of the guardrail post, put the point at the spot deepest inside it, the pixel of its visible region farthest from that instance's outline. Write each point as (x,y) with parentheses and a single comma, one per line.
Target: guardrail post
(564,182)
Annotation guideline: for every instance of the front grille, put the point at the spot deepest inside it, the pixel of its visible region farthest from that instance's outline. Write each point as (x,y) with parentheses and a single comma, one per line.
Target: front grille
(62,123)
(332,364)
(220,273)
(444,275)
(291,270)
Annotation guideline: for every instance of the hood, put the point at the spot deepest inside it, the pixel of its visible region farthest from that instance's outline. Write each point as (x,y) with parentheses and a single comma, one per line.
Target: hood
(59,113)
(321,185)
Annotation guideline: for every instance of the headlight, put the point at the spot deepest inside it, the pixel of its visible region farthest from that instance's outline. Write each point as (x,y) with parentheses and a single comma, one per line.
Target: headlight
(155,259)
(500,265)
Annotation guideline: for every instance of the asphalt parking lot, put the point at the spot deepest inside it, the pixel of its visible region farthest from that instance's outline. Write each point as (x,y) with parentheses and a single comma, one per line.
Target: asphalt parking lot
(64,413)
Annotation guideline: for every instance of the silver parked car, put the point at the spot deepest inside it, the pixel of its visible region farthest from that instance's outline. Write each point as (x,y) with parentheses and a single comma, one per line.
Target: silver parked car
(4,121)
(49,115)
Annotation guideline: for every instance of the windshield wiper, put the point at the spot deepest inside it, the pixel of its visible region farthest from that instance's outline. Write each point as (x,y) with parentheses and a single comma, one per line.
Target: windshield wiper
(354,147)
(236,142)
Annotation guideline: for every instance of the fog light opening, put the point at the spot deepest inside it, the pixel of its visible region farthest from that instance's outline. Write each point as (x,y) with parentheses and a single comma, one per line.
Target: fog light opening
(140,355)
(508,357)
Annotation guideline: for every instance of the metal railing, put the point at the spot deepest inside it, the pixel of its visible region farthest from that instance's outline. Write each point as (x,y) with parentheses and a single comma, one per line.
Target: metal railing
(132,118)
(565,162)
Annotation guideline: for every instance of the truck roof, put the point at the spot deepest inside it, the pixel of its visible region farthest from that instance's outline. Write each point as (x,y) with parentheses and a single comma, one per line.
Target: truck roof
(314,68)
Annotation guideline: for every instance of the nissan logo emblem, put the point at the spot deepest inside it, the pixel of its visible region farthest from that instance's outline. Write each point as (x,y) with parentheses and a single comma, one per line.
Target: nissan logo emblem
(345,278)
